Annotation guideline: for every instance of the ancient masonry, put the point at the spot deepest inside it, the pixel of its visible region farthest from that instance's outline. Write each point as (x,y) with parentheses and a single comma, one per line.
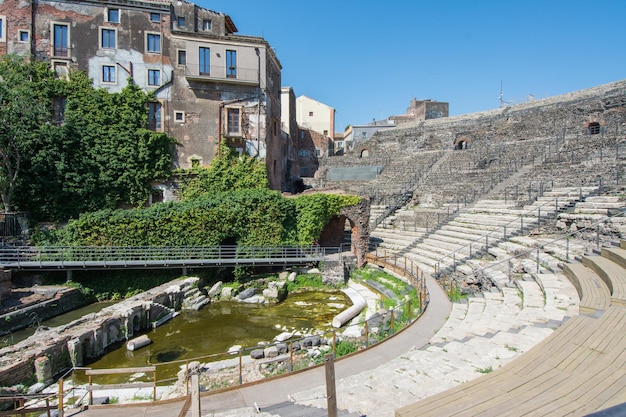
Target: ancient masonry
(54,350)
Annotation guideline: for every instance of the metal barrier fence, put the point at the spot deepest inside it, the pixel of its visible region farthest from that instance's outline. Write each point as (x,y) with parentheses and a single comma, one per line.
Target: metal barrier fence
(229,369)
(76,256)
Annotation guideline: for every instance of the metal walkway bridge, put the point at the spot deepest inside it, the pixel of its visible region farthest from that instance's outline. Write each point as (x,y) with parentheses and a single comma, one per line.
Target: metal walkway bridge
(68,258)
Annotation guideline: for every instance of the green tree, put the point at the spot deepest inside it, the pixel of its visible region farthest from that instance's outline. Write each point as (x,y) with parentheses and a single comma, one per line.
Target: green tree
(100,156)
(23,114)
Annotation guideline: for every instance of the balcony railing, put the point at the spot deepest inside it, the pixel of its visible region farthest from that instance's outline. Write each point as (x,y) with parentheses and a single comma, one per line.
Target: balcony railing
(240,75)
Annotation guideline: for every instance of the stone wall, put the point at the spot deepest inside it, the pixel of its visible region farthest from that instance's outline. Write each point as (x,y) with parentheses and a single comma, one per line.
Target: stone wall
(51,351)
(63,300)
(511,143)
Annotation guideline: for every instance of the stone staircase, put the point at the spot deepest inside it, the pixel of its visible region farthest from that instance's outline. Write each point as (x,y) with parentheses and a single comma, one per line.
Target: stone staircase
(474,230)
(482,334)
(194,299)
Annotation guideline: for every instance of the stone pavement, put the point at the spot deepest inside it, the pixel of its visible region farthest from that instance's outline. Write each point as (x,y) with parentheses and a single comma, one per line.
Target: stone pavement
(242,401)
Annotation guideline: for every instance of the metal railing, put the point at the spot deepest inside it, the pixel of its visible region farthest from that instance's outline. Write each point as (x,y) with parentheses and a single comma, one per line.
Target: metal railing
(91,256)
(229,370)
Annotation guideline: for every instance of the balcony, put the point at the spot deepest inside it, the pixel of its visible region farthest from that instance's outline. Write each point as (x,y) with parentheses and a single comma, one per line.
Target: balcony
(219,74)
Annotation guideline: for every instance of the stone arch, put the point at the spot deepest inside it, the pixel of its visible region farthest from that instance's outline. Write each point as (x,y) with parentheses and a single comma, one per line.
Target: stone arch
(136,322)
(462,142)
(113,333)
(365,153)
(359,218)
(594,125)
(87,347)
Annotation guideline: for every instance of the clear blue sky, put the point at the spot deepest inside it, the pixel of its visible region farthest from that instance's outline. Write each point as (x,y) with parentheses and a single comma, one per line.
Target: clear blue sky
(369,58)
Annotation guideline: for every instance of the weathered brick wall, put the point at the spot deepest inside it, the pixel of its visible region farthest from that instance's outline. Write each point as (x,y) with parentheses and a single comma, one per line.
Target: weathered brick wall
(88,337)
(64,301)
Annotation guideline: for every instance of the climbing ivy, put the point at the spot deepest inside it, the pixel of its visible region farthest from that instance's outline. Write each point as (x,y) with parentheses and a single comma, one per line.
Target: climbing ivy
(228,171)
(250,217)
(314,211)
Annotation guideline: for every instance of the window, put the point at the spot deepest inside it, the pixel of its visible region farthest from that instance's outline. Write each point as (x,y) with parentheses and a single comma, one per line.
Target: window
(108,74)
(60,43)
(3,36)
(364,135)
(155,17)
(205,61)
(107,38)
(304,171)
(182,57)
(310,114)
(206,25)
(179,116)
(325,132)
(302,134)
(153,43)
(231,64)
(61,68)
(233,121)
(113,15)
(154,77)
(58,104)
(318,152)
(154,116)
(181,22)
(303,152)
(23,36)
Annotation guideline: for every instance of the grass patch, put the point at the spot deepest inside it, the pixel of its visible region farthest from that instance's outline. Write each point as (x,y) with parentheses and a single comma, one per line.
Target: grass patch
(487,370)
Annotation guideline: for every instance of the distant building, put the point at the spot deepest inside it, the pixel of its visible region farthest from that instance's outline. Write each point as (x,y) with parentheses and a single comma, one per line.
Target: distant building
(339,143)
(315,124)
(316,116)
(362,133)
(213,87)
(312,146)
(422,110)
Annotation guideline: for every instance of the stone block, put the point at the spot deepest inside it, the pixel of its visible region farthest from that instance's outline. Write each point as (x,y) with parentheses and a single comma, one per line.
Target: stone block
(257,354)
(270,352)
(215,289)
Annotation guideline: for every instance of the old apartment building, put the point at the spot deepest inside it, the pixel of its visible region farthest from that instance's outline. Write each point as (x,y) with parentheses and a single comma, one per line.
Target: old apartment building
(213,87)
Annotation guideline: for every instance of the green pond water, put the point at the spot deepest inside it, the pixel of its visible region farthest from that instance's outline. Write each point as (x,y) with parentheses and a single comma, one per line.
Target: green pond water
(219,326)
(60,320)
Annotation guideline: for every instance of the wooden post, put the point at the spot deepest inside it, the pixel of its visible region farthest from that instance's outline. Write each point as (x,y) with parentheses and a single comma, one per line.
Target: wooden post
(331,393)
(240,369)
(90,392)
(154,398)
(367,333)
(187,377)
(60,405)
(392,323)
(290,356)
(195,395)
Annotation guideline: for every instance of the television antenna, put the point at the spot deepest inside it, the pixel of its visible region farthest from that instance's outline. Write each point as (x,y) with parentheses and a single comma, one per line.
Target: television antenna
(502,101)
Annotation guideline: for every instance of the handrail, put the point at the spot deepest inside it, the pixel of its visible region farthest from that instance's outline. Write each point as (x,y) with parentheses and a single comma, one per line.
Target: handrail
(520,219)
(407,311)
(17,255)
(562,237)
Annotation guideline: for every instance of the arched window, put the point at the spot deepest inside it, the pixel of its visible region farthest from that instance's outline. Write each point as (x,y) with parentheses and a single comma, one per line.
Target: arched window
(365,153)
(594,128)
